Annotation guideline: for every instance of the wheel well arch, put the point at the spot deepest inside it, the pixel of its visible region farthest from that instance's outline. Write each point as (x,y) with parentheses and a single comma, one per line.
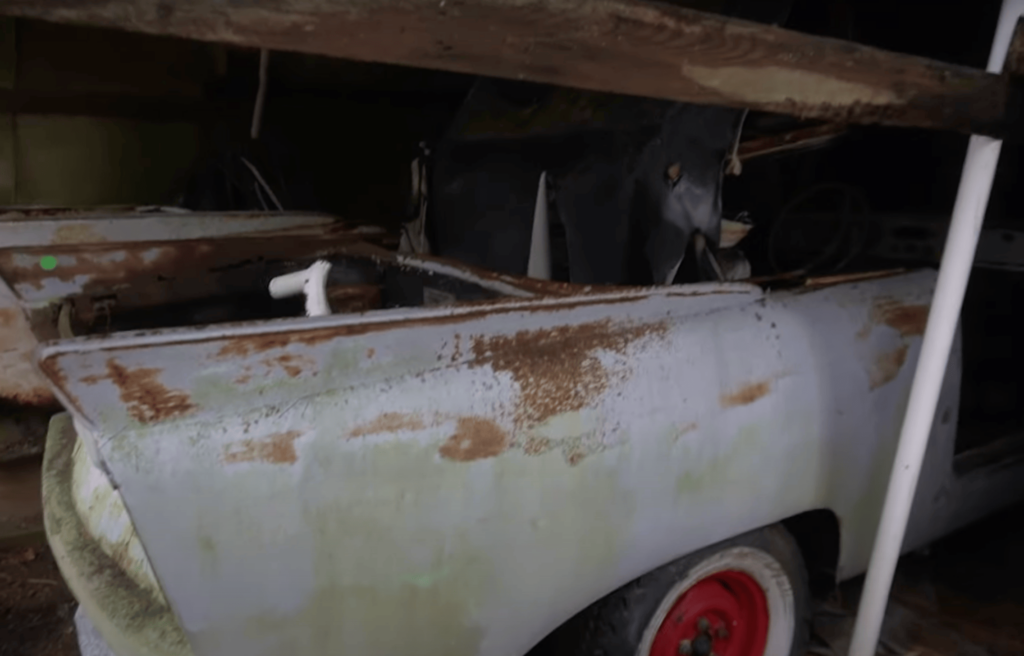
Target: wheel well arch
(817,533)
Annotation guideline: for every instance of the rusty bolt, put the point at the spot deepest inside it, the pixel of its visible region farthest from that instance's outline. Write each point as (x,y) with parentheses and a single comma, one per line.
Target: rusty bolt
(723,632)
(703,624)
(685,649)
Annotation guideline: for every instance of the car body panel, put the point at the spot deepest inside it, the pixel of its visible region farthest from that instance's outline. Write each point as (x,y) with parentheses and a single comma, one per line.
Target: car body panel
(481,472)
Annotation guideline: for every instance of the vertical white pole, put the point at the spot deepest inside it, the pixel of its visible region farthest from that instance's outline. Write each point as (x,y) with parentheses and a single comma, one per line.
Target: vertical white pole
(957,259)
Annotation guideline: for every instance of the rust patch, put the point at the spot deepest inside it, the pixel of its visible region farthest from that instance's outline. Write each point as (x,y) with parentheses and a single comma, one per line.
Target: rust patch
(746,394)
(19,381)
(54,372)
(7,317)
(909,320)
(887,366)
(141,272)
(243,379)
(389,422)
(536,446)
(242,347)
(146,398)
(457,349)
(293,365)
(370,352)
(575,457)
(475,438)
(557,369)
(276,449)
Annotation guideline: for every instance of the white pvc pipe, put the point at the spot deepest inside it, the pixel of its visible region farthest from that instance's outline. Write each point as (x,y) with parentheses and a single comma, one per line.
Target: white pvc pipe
(311,281)
(957,258)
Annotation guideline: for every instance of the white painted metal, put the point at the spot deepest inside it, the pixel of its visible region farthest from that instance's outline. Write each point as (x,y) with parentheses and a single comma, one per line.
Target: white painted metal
(539,263)
(762,568)
(954,271)
(103,515)
(311,282)
(90,642)
(308,513)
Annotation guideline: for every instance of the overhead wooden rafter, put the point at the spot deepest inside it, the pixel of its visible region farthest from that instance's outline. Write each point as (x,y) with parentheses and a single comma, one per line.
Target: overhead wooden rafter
(619,46)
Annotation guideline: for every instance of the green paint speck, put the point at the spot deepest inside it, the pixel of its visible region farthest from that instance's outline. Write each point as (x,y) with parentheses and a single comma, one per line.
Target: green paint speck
(48,262)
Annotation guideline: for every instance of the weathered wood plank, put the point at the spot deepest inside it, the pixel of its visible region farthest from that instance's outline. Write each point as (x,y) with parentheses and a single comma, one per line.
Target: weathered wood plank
(622,46)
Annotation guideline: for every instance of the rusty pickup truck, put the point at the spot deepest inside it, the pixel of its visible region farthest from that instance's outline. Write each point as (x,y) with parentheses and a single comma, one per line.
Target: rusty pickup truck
(453,462)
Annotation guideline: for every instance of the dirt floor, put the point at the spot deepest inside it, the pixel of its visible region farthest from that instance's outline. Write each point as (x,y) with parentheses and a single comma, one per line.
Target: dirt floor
(36,609)
(21,508)
(965,597)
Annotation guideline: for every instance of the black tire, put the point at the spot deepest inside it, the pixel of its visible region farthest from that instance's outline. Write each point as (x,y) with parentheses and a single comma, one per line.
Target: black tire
(616,624)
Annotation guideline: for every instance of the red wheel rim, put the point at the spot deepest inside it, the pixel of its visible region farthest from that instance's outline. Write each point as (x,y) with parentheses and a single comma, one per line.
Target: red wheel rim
(725,613)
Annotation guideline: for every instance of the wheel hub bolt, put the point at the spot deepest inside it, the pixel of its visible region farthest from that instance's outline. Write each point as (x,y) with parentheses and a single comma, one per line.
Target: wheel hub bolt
(702,645)
(703,625)
(685,648)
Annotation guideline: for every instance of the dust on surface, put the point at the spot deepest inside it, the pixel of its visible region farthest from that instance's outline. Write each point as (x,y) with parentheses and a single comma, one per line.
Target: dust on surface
(36,608)
(777,85)
(278,449)
(557,369)
(76,233)
(746,394)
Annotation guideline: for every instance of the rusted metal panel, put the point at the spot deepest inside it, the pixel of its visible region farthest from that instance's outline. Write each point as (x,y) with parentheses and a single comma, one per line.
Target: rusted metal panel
(137,269)
(19,382)
(44,227)
(621,46)
(298,484)
(92,256)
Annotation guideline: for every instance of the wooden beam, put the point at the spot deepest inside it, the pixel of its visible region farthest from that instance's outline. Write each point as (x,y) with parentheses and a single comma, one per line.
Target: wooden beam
(620,46)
